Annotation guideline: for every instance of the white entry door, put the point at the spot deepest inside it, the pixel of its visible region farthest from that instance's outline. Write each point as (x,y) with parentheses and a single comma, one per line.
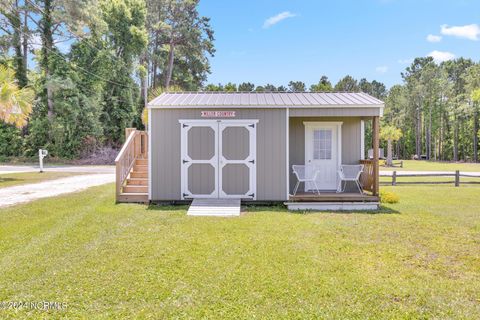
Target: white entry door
(218,159)
(323,150)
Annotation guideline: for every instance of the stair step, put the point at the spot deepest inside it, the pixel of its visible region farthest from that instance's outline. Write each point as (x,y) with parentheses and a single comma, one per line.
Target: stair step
(140,168)
(138,174)
(133,197)
(142,162)
(135,189)
(137,182)
(214,207)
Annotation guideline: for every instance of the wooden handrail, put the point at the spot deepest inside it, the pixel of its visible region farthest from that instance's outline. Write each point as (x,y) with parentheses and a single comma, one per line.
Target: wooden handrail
(135,147)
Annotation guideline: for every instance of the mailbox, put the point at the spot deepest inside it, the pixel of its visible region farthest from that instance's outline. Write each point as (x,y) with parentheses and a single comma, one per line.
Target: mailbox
(42,153)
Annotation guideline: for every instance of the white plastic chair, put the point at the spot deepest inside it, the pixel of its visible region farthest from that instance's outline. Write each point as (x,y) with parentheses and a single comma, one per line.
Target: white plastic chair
(305,174)
(349,173)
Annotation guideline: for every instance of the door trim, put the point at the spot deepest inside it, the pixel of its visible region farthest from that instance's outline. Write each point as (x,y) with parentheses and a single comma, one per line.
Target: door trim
(319,124)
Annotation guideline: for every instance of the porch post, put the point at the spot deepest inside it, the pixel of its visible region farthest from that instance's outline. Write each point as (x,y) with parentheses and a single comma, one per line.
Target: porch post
(128,131)
(376,145)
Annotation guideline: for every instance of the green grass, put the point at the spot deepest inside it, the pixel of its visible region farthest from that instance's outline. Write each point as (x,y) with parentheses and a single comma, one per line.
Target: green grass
(15,179)
(419,258)
(422,165)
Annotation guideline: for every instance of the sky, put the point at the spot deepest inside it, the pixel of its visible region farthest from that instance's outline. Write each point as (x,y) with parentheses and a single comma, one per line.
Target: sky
(275,41)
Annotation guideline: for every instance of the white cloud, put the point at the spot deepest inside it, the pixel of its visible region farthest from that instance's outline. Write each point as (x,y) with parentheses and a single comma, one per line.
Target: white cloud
(434,38)
(405,61)
(440,56)
(277,18)
(470,31)
(381,69)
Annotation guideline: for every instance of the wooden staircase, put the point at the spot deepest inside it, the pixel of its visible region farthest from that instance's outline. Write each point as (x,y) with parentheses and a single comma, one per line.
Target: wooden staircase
(136,187)
(132,168)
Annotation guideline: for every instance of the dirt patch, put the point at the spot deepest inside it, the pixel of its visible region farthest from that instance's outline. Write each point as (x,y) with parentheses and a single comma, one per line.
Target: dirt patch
(101,156)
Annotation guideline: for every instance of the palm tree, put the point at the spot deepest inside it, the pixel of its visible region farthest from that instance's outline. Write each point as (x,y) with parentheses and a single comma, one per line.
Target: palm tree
(390,133)
(15,103)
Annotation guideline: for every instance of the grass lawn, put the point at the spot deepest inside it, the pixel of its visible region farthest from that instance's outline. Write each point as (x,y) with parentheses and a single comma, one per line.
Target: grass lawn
(419,258)
(14,179)
(422,165)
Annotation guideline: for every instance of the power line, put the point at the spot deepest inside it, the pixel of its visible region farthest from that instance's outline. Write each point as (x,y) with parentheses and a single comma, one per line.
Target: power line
(88,72)
(83,69)
(77,36)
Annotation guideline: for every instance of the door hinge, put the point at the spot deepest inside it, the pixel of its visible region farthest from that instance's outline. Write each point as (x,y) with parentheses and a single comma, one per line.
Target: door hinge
(185,195)
(185,161)
(184,125)
(251,195)
(252,161)
(252,125)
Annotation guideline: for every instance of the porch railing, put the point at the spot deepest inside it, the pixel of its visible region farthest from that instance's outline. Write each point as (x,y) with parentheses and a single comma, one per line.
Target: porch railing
(135,147)
(367,178)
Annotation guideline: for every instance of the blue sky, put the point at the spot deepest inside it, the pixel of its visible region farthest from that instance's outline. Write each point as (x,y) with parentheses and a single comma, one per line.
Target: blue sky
(305,39)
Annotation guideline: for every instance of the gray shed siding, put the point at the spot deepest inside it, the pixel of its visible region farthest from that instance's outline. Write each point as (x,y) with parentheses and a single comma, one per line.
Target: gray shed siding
(165,151)
(351,140)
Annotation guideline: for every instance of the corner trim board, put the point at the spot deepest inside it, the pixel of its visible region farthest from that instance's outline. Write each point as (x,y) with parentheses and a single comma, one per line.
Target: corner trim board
(149,130)
(362,139)
(287,124)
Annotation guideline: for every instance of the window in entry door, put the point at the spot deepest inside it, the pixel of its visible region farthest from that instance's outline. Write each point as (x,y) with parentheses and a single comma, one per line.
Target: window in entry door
(322,144)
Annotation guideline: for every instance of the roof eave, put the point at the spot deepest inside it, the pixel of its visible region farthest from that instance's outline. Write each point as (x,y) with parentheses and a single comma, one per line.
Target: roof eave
(334,106)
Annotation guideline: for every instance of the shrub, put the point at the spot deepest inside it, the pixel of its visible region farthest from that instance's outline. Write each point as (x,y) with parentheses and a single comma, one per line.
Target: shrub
(389,197)
(11,144)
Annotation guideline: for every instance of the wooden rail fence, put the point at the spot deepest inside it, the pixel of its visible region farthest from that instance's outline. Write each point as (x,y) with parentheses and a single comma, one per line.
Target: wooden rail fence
(456,175)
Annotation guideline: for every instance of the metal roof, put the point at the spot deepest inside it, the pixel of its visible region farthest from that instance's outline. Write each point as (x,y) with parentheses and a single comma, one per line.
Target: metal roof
(264,99)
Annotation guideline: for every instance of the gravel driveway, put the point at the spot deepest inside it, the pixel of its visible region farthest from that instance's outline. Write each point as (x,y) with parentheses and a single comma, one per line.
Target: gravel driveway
(29,192)
(5,169)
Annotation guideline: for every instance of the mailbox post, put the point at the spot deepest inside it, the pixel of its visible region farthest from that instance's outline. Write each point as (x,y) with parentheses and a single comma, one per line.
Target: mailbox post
(41,154)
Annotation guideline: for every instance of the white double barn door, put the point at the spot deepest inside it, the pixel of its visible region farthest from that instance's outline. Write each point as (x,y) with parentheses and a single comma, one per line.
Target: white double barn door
(218,159)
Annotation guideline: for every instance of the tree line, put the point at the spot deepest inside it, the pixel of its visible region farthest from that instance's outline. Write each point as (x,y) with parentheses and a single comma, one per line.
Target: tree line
(433,114)
(437,109)
(77,71)
(86,63)
(347,84)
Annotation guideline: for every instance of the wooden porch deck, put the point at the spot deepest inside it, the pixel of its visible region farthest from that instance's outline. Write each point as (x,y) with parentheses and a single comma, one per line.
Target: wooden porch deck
(332,197)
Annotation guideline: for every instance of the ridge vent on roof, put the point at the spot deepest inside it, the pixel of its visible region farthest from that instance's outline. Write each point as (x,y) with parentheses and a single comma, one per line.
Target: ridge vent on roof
(258,92)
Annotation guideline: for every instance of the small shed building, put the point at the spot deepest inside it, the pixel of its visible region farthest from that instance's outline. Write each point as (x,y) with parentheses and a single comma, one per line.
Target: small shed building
(243,145)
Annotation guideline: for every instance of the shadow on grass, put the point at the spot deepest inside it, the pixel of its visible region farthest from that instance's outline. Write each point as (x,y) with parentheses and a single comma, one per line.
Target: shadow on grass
(9,179)
(383,210)
(280,208)
(264,208)
(169,207)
